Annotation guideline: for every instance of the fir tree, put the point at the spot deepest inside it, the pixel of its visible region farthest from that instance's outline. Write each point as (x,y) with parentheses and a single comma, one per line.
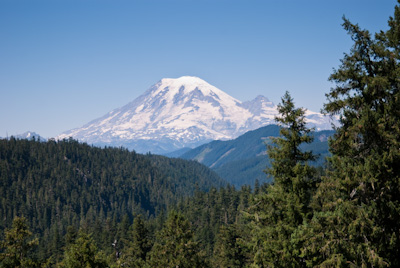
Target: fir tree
(175,246)
(228,251)
(138,245)
(277,213)
(16,247)
(359,201)
(83,253)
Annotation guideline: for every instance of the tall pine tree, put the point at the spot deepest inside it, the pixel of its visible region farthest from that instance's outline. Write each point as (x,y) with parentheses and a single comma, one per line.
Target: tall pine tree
(15,250)
(277,213)
(175,246)
(83,253)
(359,201)
(228,251)
(138,245)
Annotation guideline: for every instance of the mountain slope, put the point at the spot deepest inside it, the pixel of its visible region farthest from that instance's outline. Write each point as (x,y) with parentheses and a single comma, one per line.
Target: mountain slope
(217,153)
(242,160)
(57,184)
(105,174)
(178,113)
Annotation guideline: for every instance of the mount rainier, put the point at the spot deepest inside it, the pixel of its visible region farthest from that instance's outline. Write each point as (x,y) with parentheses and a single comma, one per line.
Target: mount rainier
(178,113)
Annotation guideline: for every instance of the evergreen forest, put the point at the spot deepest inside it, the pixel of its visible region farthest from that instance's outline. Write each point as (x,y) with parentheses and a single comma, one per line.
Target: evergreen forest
(68,204)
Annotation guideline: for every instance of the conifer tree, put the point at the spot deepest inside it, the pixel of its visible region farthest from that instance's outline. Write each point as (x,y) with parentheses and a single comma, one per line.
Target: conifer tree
(290,165)
(359,201)
(228,251)
(138,245)
(16,247)
(175,246)
(83,253)
(70,235)
(277,213)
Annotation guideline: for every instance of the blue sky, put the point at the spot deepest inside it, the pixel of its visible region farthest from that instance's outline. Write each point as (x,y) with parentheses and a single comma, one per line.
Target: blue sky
(64,63)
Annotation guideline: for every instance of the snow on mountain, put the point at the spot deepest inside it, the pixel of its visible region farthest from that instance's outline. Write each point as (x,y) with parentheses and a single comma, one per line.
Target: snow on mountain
(30,135)
(177,113)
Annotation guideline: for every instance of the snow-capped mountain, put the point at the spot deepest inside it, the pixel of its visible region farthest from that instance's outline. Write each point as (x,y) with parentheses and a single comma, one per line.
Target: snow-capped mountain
(30,135)
(177,113)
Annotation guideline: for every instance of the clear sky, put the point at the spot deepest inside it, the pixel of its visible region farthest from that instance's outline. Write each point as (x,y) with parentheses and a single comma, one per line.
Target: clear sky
(64,63)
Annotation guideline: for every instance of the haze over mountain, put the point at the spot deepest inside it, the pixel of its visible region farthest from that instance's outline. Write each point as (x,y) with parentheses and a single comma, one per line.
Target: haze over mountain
(243,160)
(178,113)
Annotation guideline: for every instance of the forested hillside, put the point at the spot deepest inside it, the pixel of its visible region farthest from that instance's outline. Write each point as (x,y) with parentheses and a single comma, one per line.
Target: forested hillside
(57,184)
(242,161)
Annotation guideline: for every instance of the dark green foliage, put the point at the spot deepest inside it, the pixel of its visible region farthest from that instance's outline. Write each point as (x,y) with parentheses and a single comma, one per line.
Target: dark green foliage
(138,245)
(358,202)
(209,211)
(228,250)
(183,174)
(71,235)
(288,158)
(16,249)
(175,246)
(83,253)
(66,183)
(208,217)
(277,213)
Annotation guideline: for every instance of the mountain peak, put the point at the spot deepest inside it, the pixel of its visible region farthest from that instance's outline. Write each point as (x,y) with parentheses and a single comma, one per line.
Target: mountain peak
(176,113)
(262,98)
(29,135)
(184,80)
(185,85)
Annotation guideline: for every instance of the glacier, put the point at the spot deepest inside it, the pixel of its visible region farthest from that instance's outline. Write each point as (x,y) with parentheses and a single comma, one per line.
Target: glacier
(178,113)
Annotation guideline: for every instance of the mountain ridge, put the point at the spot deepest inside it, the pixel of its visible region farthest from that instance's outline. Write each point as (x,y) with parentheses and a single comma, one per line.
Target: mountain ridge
(177,113)
(242,160)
